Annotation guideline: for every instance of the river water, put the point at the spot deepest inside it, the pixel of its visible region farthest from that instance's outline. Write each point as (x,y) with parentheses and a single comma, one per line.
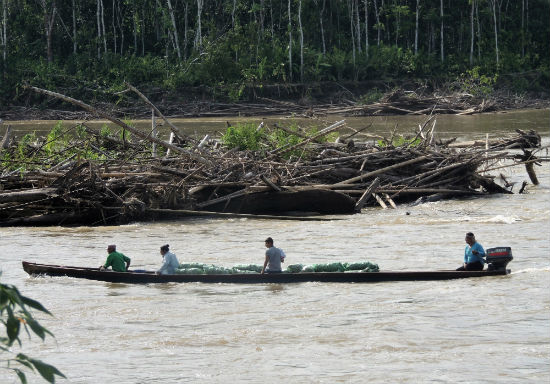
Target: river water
(487,330)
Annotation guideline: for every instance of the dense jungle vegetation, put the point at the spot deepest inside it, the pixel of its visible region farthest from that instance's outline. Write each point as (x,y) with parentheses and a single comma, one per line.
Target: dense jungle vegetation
(87,48)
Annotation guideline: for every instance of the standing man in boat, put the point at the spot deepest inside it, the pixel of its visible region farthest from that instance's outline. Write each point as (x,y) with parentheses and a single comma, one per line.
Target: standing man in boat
(169,261)
(273,258)
(116,260)
(473,255)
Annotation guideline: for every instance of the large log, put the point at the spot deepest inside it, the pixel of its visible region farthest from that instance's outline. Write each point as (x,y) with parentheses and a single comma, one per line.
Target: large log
(381,171)
(28,195)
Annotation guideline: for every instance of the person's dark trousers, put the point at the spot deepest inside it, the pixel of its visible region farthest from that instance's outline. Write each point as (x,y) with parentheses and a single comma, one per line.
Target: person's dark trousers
(475,266)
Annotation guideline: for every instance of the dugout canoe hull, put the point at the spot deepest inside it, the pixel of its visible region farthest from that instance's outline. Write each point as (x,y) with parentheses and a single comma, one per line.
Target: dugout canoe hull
(245,278)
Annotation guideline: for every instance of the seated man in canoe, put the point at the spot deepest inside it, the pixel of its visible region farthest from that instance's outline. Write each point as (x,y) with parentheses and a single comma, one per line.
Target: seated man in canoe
(169,261)
(116,260)
(473,255)
(273,258)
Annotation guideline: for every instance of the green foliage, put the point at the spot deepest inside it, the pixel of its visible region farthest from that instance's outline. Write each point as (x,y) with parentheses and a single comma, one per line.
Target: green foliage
(246,136)
(372,96)
(280,138)
(477,84)
(399,141)
(314,130)
(24,148)
(81,131)
(15,315)
(247,43)
(340,63)
(393,61)
(243,136)
(105,131)
(56,139)
(319,69)
(123,133)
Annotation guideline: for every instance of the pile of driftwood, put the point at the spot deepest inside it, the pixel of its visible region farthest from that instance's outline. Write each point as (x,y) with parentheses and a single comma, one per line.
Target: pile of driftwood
(400,102)
(395,102)
(346,103)
(126,183)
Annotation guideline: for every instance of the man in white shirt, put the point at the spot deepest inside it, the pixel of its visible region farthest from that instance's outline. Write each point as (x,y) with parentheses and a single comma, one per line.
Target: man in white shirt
(169,261)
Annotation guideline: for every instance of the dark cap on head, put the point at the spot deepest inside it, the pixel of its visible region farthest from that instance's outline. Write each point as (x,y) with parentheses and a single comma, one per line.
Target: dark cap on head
(470,234)
(111,246)
(165,247)
(269,240)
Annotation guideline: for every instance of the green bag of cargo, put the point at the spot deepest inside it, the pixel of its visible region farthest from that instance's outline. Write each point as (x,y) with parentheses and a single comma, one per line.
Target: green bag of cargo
(371,268)
(332,267)
(249,267)
(357,266)
(215,270)
(294,268)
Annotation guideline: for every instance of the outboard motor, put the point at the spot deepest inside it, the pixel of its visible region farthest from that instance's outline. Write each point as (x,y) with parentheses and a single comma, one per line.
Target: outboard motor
(497,258)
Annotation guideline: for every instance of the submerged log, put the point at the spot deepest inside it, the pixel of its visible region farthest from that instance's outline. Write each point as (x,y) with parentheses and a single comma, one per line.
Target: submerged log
(531,172)
(529,160)
(366,195)
(380,201)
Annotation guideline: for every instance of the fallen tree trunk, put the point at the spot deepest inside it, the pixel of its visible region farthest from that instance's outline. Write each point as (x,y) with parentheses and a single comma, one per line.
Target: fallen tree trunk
(28,195)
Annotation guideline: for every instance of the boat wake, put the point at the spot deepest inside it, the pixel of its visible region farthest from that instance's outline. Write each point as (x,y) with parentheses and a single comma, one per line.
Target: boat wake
(531,270)
(503,219)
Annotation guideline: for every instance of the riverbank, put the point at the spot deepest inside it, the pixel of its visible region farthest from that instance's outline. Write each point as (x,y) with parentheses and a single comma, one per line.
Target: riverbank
(374,98)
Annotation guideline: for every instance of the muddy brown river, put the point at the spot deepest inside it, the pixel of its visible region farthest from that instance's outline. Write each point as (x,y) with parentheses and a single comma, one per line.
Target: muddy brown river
(487,330)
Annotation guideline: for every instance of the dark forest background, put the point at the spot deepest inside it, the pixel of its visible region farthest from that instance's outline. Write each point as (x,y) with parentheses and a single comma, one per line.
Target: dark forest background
(88,48)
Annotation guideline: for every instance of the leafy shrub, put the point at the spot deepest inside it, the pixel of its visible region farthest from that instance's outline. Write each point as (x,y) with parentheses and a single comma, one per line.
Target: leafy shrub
(477,84)
(56,139)
(24,147)
(243,136)
(372,96)
(280,138)
(105,131)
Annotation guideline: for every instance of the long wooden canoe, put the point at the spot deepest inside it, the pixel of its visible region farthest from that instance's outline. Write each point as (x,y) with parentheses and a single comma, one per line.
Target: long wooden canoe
(254,278)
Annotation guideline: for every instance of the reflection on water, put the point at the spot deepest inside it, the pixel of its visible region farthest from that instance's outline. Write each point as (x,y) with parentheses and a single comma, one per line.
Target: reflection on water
(115,289)
(275,288)
(311,332)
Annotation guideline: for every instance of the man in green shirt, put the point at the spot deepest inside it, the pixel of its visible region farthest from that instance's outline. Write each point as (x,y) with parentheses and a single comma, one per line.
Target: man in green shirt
(116,260)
